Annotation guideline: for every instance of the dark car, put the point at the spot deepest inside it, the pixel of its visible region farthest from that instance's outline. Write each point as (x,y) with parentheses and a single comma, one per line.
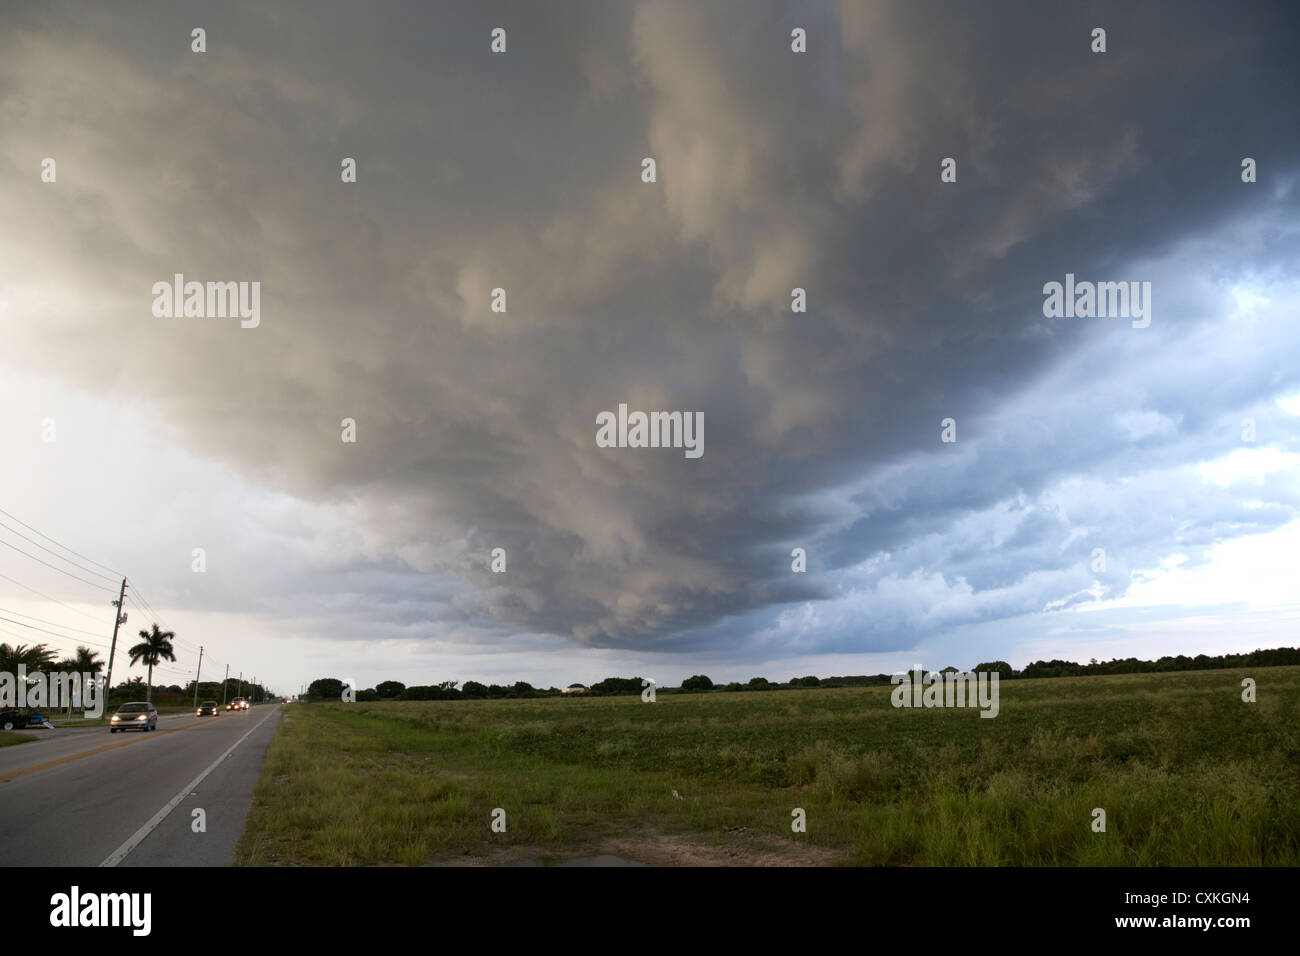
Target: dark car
(209,708)
(13,719)
(136,715)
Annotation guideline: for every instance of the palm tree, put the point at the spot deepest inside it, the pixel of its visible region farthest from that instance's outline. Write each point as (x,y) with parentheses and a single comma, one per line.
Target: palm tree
(33,657)
(66,665)
(155,648)
(86,662)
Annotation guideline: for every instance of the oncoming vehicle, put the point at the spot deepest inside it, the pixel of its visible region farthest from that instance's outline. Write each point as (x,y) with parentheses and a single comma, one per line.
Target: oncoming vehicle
(208,708)
(136,715)
(239,703)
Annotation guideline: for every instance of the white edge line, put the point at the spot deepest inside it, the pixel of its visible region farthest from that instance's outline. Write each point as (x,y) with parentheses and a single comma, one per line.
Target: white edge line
(120,854)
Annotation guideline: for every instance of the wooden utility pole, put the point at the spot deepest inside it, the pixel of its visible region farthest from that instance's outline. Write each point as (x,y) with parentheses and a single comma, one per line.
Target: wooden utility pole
(118,620)
(196,677)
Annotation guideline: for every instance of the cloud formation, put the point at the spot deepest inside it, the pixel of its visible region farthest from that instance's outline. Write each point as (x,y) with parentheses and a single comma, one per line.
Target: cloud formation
(476,428)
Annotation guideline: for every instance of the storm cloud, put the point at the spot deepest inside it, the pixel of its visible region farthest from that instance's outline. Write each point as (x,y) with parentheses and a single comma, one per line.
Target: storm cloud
(775,170)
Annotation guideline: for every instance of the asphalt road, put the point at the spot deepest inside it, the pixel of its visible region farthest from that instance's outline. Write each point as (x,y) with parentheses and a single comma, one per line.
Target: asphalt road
(85,797)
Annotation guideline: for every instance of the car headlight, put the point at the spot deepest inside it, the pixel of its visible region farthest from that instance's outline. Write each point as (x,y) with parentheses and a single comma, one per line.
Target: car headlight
(115,717)
(143,717)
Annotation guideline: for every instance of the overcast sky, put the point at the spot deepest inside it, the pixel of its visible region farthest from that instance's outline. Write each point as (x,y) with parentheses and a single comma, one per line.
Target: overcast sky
(136,439)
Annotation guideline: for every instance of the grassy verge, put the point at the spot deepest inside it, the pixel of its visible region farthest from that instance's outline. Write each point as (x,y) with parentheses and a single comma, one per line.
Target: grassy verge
(9,738)
(1186,772)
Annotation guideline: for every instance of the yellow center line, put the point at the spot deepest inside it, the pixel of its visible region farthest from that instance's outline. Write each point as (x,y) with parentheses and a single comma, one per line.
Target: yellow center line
(90,753)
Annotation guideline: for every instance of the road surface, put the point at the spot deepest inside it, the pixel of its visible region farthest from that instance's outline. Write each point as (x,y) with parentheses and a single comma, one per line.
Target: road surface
(85,797)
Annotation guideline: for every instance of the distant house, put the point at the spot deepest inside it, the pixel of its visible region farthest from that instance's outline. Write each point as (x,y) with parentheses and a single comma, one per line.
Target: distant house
(574,689)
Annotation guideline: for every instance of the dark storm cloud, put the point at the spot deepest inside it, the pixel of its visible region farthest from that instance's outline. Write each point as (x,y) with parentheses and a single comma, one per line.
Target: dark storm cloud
(775,170)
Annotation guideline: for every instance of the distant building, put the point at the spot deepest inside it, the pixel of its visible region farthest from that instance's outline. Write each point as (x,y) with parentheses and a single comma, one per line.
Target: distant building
(574,689)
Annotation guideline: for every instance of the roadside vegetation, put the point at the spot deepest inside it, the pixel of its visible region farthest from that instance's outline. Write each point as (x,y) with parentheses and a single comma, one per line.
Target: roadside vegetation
(331,688)
(1187,773)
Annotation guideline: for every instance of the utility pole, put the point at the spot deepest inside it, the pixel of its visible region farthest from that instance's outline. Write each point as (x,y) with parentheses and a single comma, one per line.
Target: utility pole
(241,684)
(118,620)
(196,677)
(225,681)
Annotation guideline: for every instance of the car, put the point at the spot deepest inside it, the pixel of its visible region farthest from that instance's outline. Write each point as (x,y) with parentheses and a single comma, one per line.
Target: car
(238,703)
(13,719)
(209,708)
(137,715)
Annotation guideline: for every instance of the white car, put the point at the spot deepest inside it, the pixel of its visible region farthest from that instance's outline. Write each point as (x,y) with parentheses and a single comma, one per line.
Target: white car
(137,715)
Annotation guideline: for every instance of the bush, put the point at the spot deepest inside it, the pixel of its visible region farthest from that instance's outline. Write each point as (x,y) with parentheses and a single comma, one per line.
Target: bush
(326,688)
(616,685)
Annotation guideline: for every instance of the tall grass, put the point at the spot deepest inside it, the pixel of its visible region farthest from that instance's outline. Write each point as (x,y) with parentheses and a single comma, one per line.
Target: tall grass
(1186,773)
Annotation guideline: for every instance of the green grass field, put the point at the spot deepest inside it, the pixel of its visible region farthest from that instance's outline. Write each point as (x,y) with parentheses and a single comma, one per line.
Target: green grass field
(1186,772)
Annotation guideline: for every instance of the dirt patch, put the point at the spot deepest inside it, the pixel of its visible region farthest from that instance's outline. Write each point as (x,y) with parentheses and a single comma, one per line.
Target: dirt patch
(657,849)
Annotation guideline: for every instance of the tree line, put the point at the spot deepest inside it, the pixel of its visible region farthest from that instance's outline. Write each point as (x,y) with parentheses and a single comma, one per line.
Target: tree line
(155,647)
(331,688)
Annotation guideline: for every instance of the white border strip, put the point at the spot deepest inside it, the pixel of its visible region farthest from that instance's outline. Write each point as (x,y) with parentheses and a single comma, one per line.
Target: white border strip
(120,854)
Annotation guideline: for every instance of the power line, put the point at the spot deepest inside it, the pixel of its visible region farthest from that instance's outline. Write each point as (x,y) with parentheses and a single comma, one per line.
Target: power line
(79,567)
(146,603)
(138,606)
(5,630)
(173,672)
(44,631)
(151,614)
(148,609)
(55,567)
(141,603)
(180,645)
(116,574)
(48,598)
(65,627)
(164,664)
(62,650)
